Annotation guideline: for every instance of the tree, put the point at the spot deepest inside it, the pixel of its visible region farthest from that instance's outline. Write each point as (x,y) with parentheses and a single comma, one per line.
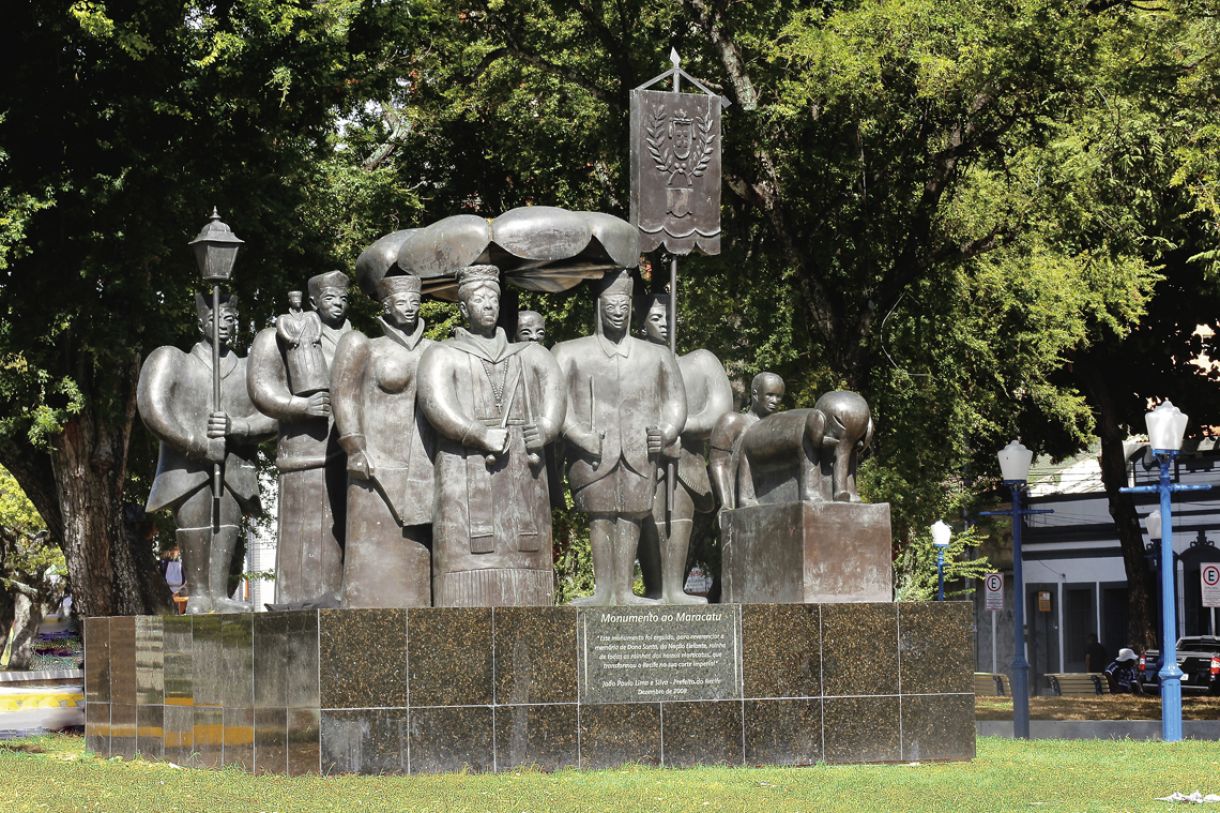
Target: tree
(31,572)
(123,122)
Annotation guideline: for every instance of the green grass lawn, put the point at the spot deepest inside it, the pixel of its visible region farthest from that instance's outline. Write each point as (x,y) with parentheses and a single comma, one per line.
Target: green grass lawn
(53,773)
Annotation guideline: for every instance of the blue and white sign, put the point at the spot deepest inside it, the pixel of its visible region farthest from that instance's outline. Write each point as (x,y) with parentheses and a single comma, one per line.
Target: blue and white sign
(993,586)
(1210,576)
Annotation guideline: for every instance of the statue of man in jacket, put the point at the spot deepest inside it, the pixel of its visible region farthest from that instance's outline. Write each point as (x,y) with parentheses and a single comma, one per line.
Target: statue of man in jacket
(174,396)
(626,403)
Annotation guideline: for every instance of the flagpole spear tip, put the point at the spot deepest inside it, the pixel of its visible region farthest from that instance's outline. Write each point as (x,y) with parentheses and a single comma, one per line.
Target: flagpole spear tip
(674,58)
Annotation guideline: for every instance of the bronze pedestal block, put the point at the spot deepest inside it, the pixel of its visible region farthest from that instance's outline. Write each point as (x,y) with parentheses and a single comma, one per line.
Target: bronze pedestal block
(810,552)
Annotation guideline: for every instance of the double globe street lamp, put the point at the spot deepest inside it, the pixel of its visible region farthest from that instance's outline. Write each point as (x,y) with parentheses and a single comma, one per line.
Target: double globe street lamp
(1166,427)
(1014,469)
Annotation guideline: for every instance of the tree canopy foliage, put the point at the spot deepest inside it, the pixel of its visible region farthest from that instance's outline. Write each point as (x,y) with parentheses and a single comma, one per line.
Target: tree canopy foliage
(968,211)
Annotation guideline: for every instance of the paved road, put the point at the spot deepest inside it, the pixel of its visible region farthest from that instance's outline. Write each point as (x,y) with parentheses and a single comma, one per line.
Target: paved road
(29,709)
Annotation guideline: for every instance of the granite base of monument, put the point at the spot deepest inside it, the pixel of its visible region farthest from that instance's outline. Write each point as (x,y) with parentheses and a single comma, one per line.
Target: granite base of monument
(447,689)
(807,552)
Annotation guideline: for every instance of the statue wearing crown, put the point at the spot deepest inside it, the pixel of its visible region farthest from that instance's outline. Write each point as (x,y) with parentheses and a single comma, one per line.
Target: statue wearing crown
(494,406)
(174,396)
(311,463)
(389,450)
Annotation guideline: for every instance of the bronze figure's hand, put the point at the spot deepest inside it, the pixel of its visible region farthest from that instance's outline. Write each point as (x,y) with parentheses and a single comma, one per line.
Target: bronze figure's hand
(533,437)
(358,464)
(319,405)
(219,425)
(496,441)
(656,440)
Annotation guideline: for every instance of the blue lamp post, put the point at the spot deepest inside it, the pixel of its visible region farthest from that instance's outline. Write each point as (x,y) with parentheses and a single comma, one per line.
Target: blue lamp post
(1014,468)
(1166,425)
(941,533)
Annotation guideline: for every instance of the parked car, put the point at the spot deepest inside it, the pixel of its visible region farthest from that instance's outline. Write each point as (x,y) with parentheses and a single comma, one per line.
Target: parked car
(1199,660)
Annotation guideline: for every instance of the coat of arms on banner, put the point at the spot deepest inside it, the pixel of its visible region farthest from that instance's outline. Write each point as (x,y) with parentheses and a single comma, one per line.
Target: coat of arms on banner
(675,170)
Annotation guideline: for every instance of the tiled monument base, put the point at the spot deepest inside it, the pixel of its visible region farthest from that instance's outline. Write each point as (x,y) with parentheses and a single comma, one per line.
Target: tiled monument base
(416,691)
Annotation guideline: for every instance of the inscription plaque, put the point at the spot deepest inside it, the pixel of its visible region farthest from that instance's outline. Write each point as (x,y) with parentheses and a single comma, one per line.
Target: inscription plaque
(658,655)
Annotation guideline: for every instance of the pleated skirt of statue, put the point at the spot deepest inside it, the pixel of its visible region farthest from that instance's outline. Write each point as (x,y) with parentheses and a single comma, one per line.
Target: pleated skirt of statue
(491,529)
(312,519)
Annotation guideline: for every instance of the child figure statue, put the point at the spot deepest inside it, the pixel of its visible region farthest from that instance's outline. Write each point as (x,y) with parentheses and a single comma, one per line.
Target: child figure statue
(301,335)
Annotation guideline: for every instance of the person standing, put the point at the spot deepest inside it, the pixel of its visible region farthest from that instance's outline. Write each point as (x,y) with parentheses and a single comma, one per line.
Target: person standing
(626,402)
(1094,655)
(494,406)
(171,569)
(312,466)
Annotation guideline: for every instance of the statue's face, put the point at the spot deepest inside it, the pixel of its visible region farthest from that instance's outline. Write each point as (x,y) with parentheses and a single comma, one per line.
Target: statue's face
(295,299)
(767,398)
(480,307)
(331,305)
(227,324)
(615,311)
(656,323)
(402,308)
(531,328)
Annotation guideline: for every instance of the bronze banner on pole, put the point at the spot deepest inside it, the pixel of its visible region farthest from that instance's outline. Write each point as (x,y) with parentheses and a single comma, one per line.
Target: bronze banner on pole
(675,170)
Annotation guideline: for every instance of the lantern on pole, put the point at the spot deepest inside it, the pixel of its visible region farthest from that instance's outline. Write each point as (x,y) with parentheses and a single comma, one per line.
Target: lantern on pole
(215,250)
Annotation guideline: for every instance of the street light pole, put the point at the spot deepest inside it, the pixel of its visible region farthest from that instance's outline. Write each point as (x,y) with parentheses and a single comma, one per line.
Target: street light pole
(940,574)
(1014,467)
(1166,426)
(941,533)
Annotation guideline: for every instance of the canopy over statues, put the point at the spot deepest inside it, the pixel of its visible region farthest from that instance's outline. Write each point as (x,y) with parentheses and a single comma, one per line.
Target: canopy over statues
(174,396)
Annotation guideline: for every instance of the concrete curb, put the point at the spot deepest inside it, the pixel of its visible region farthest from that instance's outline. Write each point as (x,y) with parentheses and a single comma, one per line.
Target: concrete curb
(1099,729)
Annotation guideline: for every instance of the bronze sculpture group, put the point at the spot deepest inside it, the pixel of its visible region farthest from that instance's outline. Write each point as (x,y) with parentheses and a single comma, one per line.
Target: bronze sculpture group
(423,473)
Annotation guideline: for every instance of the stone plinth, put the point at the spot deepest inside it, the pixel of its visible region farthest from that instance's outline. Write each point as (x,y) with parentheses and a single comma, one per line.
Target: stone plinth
(807,552)
(447,689)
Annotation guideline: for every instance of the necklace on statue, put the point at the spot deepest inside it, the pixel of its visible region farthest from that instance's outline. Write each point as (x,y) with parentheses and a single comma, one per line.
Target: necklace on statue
(497,387)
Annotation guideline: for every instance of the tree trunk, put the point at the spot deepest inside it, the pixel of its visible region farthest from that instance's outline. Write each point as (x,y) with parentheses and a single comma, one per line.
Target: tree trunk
(1140,586)
(7,610)
(78,490)
(27,619)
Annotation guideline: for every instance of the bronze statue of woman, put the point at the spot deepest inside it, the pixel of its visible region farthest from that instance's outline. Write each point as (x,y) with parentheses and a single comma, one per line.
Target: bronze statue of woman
(389,449)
